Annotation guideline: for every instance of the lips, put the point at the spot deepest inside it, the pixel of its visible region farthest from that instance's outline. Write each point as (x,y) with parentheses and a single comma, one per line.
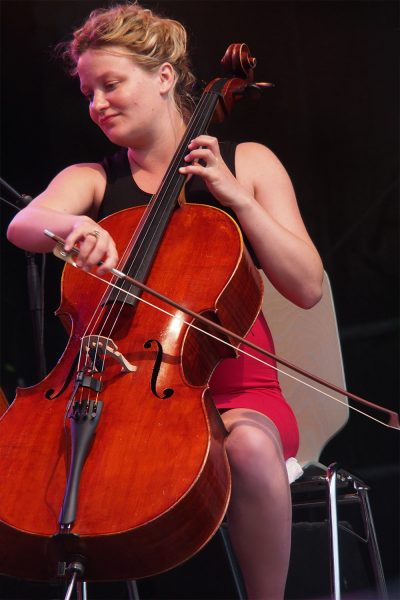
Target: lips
(107,119)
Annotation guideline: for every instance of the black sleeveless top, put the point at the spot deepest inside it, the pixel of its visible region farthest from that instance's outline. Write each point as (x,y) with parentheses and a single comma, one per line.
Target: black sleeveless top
(122,191)
(236,382)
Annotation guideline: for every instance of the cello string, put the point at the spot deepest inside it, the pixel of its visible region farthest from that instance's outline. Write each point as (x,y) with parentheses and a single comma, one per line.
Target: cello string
(145,219)
(198,122)
(157,201)
(393,417)
(309,385)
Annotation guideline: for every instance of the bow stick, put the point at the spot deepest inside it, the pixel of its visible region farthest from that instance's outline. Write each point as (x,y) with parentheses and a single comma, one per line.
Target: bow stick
(59,251)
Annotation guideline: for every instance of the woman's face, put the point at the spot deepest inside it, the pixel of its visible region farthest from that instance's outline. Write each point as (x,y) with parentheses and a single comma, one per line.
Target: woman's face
(125,100)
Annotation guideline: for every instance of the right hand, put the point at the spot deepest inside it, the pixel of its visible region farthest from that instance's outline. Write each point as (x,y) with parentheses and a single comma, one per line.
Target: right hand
(95,245)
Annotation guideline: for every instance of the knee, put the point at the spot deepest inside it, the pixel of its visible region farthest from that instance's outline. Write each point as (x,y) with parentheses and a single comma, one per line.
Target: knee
(254,454)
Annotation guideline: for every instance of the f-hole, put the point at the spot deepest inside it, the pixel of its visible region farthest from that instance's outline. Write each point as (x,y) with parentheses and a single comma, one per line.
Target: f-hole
(167,393)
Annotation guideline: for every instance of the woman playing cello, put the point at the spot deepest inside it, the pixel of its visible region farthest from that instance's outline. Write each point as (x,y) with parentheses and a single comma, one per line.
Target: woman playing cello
(133,70)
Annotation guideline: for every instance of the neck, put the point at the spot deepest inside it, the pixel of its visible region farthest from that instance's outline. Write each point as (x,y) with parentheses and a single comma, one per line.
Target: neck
(156,153)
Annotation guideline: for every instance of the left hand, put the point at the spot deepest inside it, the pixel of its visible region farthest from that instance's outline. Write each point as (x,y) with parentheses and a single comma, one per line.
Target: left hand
(222,184)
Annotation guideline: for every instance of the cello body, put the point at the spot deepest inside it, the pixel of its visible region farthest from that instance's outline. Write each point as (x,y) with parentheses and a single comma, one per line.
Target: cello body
(155,483)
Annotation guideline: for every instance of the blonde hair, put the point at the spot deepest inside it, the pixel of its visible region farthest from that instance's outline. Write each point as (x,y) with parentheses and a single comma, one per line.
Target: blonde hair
(141,34)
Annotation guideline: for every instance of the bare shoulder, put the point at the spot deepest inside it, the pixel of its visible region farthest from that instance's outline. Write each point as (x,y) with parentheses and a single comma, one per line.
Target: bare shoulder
(255,149)
(77,189)
(261,171)
(252,156)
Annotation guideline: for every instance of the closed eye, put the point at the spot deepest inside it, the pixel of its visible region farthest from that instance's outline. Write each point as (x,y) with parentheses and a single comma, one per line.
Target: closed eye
(107,87)
(111,86)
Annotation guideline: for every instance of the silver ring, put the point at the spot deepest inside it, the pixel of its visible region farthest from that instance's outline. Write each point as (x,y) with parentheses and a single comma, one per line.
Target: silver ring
(95,233)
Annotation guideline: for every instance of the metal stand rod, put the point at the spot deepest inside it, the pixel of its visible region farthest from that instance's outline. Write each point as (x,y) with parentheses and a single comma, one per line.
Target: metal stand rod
(35,286)
(333,532)
(133,591)
(77,569)
(71,586)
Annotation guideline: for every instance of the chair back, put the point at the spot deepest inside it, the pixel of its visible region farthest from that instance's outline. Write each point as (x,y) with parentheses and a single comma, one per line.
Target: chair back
(309,339)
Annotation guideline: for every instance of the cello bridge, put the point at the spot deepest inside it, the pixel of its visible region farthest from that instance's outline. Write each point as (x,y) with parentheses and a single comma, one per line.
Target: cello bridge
(99,346)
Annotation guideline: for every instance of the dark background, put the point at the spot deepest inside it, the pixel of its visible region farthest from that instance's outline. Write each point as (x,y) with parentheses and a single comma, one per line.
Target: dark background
(332,118)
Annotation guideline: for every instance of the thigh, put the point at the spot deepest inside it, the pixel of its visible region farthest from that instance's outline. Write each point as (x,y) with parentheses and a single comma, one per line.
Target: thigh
(237,417)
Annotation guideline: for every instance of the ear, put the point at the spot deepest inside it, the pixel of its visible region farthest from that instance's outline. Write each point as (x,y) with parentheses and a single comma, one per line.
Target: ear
(167,77)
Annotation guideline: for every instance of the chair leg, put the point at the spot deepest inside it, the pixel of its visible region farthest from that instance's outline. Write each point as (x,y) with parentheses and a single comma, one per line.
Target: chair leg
(81,590)
(372,541)
(333,532)
(234,567)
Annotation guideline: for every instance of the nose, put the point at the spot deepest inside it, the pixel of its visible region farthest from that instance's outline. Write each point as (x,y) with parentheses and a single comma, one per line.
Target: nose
(99,103)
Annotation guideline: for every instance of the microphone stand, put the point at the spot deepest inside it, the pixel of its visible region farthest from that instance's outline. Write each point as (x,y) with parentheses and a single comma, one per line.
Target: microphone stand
(34,287)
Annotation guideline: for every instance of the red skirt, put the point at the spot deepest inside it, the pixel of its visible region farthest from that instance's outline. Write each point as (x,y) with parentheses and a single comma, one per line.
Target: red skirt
(246,383)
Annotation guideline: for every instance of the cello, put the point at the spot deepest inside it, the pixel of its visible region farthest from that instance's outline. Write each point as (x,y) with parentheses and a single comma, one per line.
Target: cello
(116,458)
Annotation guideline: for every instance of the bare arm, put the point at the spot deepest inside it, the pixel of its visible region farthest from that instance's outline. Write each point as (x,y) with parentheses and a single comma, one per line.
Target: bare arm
(68,207)
(263,199)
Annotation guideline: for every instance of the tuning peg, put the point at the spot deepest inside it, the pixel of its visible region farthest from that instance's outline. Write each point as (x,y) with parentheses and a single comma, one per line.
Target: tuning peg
(252,90)
(263,84)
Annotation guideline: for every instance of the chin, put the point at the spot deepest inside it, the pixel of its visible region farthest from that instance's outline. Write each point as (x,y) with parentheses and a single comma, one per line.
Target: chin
(118,140)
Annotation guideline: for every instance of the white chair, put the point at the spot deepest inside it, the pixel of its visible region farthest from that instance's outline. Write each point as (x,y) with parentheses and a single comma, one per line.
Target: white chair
(310,340)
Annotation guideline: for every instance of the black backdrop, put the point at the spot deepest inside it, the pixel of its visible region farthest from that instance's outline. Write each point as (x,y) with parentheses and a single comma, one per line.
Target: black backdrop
(331,118)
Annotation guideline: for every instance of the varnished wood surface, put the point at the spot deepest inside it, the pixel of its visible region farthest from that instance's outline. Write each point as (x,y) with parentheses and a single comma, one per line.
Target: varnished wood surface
(155,485)
(3,402)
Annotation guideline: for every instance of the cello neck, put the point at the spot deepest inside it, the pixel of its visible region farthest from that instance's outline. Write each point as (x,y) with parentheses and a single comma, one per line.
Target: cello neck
(146,240)
(219,93)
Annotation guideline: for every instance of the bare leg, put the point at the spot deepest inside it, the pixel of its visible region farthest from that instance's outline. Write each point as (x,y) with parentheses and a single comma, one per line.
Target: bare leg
(259,514)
